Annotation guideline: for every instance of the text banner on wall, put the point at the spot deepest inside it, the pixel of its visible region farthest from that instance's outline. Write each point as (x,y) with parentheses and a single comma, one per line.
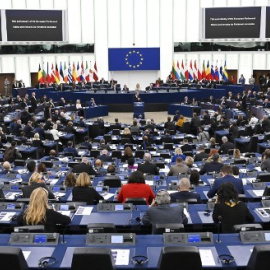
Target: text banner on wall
(134,59)
(242,22)
(34,25)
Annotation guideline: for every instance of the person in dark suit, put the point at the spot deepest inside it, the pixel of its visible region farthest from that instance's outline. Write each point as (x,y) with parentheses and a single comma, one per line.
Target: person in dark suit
(87,143)
(17,128)
(186,147)
(84,192)
(125,89)
(40,130)
(226,146)
(70,149)
(195,124)
(31,167)
(147,166)
(184,192)
(266,161)
(35,181)
(25,116)
(226,176)
(137,98)
(200,155)
(206,118)
(229,210)
(167,137)
(212,166)
(169,124)
(233,131)
(62,102)
(244,101)
(39,212)
(33,101)
(84,166)
(266,123)
(28,129)
(104,156)
(69,128)
(161,212)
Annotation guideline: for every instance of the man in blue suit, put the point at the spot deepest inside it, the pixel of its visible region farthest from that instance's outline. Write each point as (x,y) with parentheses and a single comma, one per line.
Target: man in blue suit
(227,176)
(71,150)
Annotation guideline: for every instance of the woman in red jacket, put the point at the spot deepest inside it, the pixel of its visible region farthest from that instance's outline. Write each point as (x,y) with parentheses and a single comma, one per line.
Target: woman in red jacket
(136,188)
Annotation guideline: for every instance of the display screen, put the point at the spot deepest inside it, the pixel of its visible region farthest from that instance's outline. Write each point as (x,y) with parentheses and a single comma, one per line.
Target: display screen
(117,239)
(242,22)
(99,189)
(34,25)
(119,207)
(11,206)
(194,238)
(64,207)
(56,188)
(15,187)
(40,238)
(267,30)
(156,177)
(267,236)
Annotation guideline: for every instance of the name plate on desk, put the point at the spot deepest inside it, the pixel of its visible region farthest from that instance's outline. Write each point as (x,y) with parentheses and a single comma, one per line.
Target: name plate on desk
(114,207)
(255,237)
(34,239)
(188,238)
(11,206)
(110,239)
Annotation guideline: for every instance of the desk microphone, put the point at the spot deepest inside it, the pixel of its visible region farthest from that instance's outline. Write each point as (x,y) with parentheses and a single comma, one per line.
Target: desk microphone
(219,227)
(63,236)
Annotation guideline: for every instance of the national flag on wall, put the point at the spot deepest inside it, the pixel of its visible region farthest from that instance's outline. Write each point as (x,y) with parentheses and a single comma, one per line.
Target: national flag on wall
(65,73)
(69,74)
(216,73)
(186,71)
(175,75)
(40,77)
(86,72)
(52,74)
(78,72)
(178,70)
(190,71)
(195,71)
(225,73)
(48,79)
(203,70)
(182,71)
(44,74)
(208,72)
(91,71)
(74,73)
(95,75)
(61,72)
(82,73)
(212,73)
(221,71)
(56,74)
(199,73)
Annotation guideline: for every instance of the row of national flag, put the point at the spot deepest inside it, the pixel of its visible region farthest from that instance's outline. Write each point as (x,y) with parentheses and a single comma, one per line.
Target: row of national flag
(67,73)
(194,72)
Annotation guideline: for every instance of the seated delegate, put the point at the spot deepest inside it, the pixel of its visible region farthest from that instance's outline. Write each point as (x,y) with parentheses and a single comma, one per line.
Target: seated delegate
(39,212)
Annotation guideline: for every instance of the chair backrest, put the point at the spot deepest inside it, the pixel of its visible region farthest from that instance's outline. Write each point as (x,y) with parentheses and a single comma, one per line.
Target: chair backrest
(101,228)
(168,146)
(117,154)
(259,259)
(189,258)
(94,153)
(190,201)
(139,154)
(48,164)
(253,144)
(188,153)
(167,228)
(19,162)
(137,201)
(95,257)
(12,258)
(112,181)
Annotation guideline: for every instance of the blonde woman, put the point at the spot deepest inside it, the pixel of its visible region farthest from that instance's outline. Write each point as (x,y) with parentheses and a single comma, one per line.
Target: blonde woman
(35,181)
(178,153)
(39,212)
(236,153)
(189,161)
(37,142)
(83,192)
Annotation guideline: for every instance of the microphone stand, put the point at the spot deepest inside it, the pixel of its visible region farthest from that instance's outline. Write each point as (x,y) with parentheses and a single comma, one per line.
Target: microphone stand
(63,236)
(219,227)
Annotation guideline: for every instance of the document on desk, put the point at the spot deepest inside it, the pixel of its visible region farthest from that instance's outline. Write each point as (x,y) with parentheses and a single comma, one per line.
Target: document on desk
(172,191)
(84,211)
(12,195)
(207,257)
(59,194)
(258,192)
(65,213)
(26,254)
(6,216)
(121,256)
(149,182)
(106,195)
(52,182)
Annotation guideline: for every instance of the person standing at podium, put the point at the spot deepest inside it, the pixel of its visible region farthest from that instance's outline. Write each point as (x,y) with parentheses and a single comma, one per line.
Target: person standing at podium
(137,98)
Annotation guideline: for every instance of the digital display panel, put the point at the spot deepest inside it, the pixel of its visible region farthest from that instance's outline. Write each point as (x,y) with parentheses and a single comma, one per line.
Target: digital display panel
(194,238)
(64,207)
(11,206)
(40,238)
(117,239)
(267,30)
(119,207)
(267,236)
(242,22)
(34,25)
(56,188)
(99,189)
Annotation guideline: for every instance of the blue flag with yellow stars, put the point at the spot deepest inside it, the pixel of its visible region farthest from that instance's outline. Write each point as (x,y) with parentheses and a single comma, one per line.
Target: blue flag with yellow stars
(134,59)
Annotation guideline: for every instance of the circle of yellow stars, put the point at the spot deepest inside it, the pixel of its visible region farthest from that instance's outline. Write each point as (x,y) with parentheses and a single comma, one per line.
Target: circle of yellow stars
(140,57)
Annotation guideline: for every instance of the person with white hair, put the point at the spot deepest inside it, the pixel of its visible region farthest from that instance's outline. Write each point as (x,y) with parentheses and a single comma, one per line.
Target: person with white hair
(104,156)
(56,134)
(184,192)
(161,212)
(225,146)
(6,168)
(84,166)
(148,166)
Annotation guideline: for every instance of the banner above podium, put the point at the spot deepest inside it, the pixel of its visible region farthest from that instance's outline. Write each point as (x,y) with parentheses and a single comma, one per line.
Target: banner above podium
(134,59)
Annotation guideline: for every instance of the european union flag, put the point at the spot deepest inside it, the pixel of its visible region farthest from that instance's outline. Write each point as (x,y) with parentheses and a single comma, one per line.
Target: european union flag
(134,59)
